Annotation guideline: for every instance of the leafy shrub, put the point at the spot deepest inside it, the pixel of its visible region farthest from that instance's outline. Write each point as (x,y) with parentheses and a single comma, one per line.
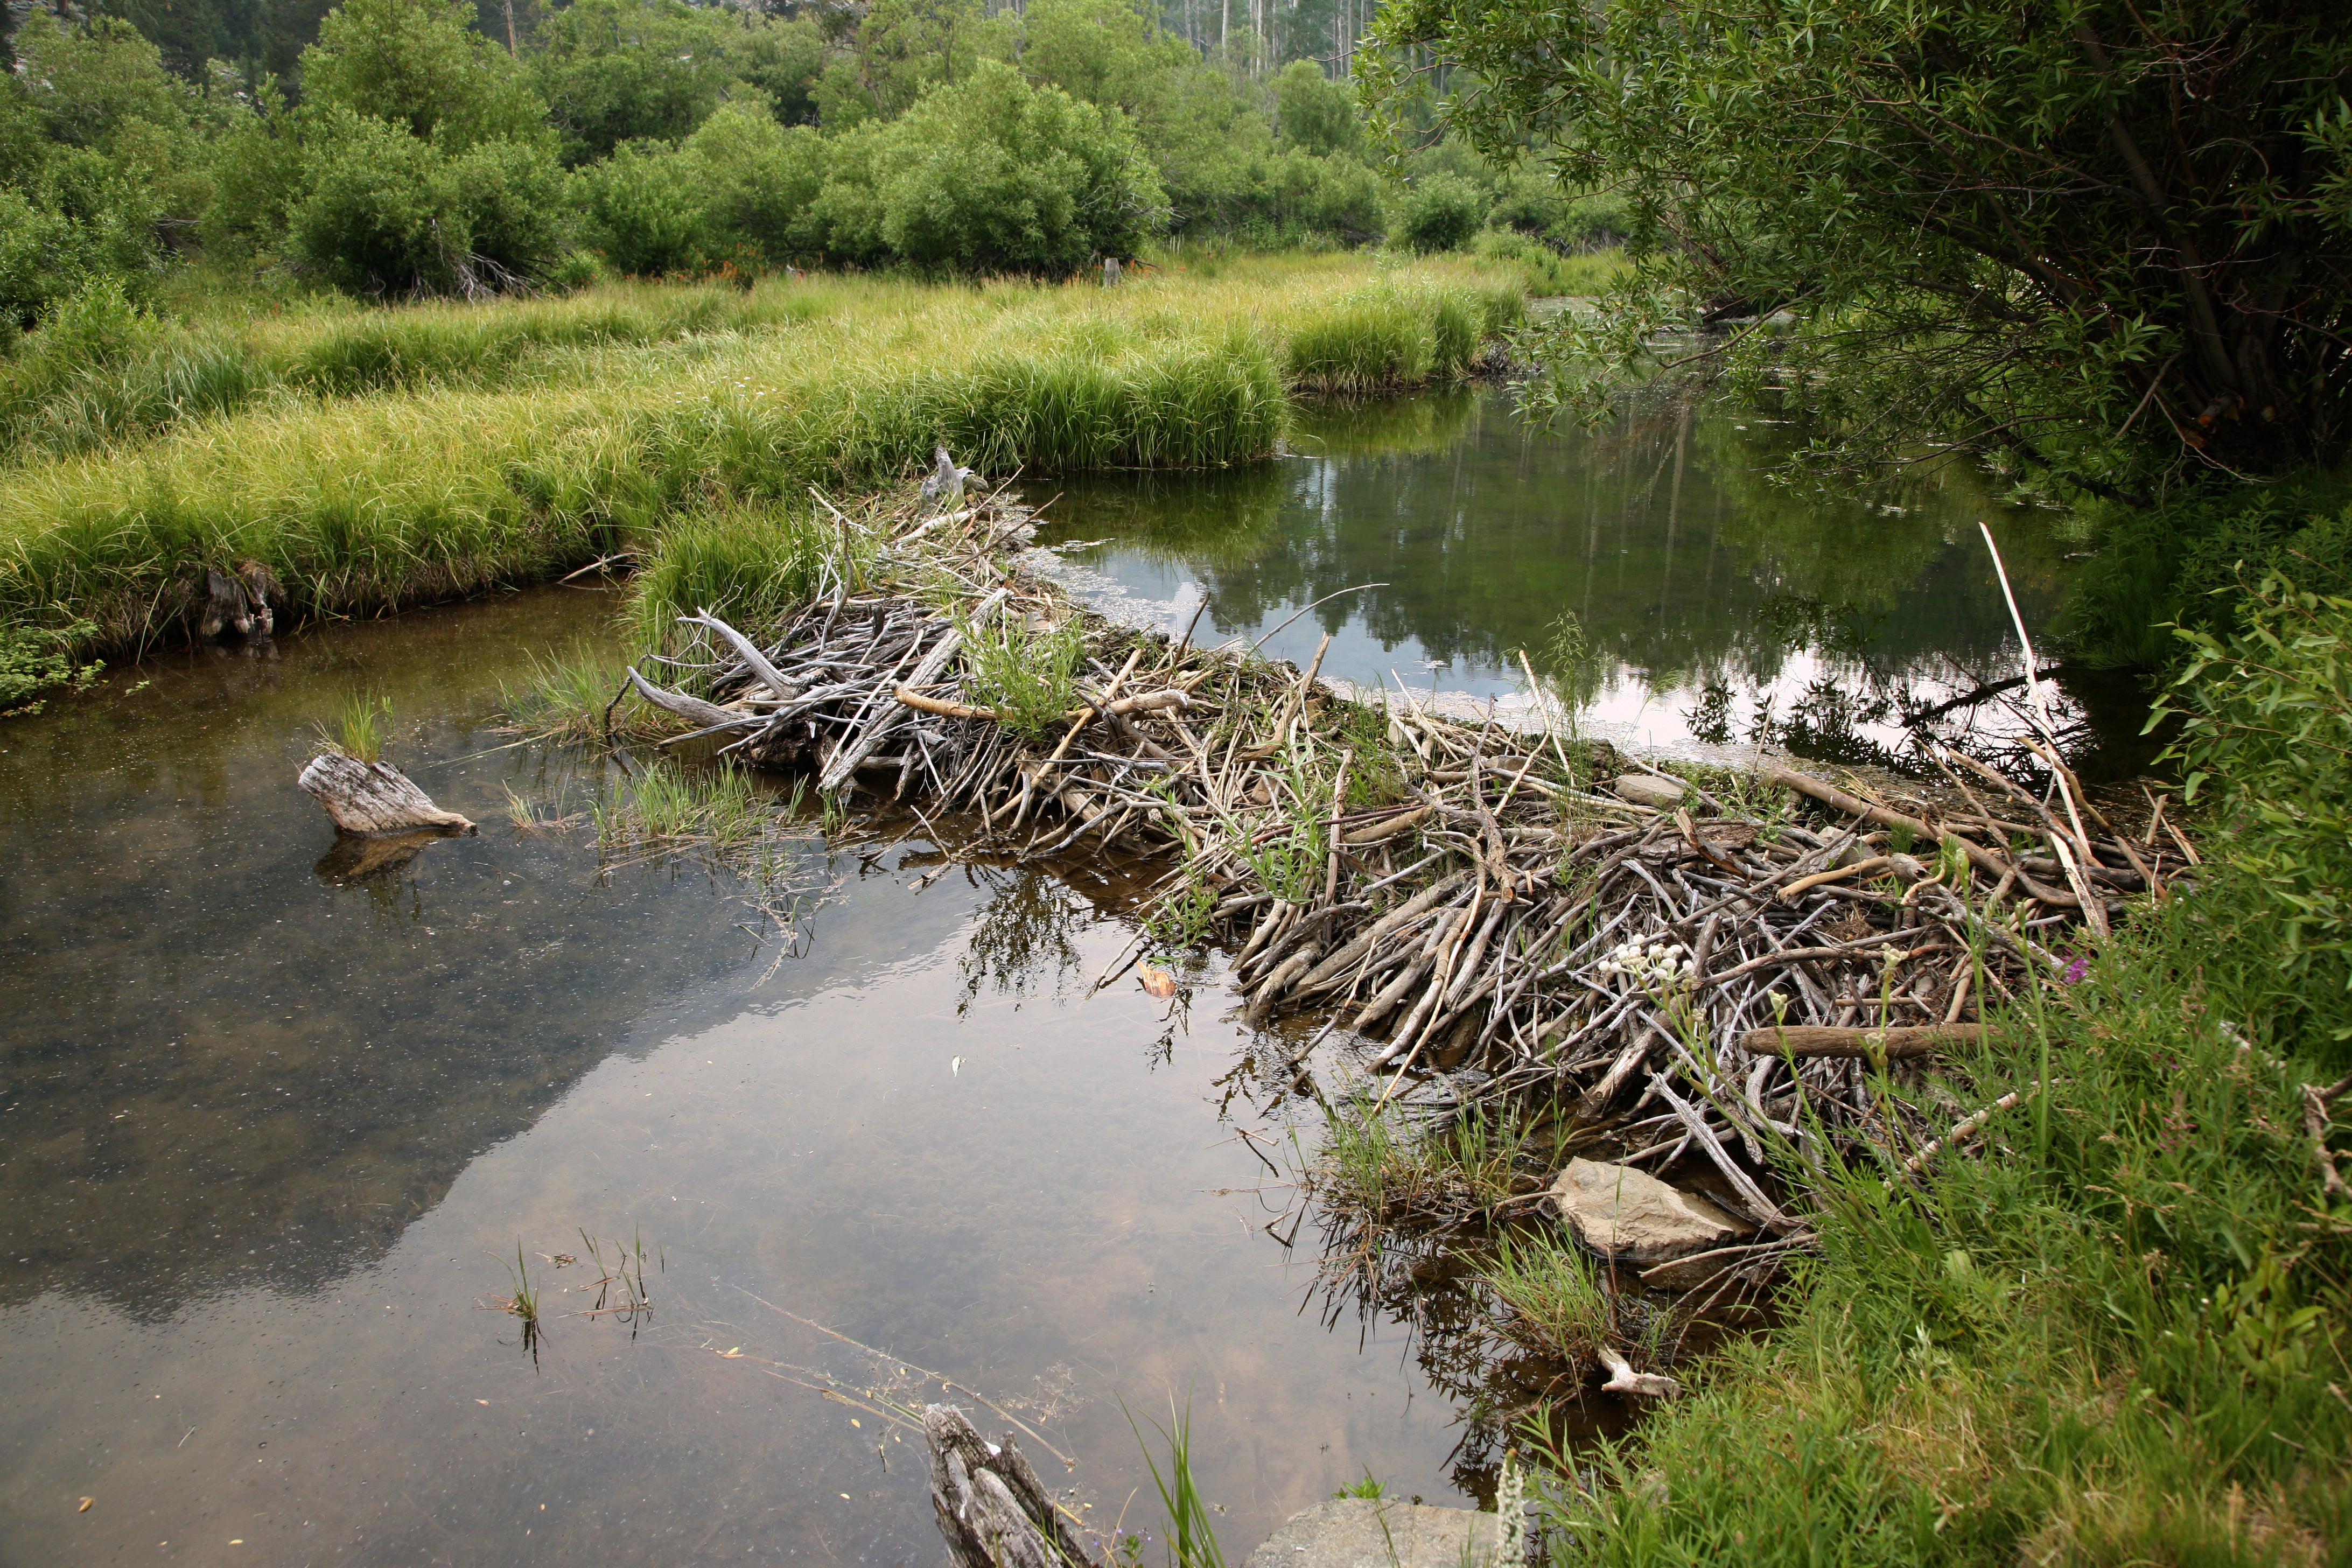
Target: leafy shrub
(33,660)
(47,252)
(516,206)
(382,213)
(760,182)
(1315,114)
(644,214)
(993,176)
(1441,212)
(2266,735)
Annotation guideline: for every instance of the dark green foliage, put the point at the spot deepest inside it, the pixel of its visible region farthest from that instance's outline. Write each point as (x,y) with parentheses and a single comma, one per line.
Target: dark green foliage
(2266,738)
(1443,212)
(37,661)
(993,176)
(2186,561)
(643,216)
(1313,114)
(419,64)
(623,70)
(2066,237)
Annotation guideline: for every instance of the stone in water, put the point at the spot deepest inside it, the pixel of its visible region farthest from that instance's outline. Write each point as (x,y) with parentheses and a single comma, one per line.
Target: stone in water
(1632,1216)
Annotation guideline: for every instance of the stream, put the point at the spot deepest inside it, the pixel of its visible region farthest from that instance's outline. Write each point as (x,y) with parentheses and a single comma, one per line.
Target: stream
(278,1136)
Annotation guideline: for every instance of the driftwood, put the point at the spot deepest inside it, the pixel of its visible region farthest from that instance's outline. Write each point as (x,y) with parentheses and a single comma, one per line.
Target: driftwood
(992,1507)
(372,798)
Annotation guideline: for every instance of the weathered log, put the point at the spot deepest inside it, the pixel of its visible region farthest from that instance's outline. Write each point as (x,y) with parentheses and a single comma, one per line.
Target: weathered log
(1905,1043)
(375,797)
(992,1507)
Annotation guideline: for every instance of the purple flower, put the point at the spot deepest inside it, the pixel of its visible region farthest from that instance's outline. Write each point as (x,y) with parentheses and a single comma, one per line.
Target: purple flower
(2075,971)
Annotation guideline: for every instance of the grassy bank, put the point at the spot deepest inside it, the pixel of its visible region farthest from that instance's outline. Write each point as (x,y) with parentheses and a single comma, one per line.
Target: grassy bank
(506,466)
(2116,1331)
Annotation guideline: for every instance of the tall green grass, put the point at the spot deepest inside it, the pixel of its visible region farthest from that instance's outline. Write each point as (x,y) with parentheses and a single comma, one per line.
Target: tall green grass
(99,374)
(396,498)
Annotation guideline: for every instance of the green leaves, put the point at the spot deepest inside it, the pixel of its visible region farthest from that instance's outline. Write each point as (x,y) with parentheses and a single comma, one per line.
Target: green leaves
(2048,233)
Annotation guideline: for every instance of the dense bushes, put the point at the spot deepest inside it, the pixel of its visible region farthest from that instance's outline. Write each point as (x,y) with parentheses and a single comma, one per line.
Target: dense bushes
(415,156)
(990,175)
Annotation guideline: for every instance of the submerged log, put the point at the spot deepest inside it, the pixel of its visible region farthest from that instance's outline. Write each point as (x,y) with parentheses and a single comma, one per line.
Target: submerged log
(993,1509)
(368,798)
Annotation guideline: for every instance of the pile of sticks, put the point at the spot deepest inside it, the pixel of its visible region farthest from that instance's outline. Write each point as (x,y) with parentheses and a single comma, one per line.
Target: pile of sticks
(1701,972)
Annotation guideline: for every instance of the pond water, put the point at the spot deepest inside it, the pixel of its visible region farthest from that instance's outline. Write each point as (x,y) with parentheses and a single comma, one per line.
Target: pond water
(1650,570)
(274,1134)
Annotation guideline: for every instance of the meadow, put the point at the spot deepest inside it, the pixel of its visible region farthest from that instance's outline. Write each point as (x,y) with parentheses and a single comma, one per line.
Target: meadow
(374,460)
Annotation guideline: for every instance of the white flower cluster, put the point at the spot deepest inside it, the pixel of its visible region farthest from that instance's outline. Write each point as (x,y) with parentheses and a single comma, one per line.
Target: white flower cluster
(1652,965)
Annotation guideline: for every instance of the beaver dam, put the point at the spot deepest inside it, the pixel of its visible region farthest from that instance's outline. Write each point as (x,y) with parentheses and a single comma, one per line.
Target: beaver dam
(1511,938)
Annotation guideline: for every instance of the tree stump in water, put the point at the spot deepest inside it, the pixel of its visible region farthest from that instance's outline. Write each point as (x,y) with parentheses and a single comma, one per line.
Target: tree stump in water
(245,602)
(371,798)
(992,1507)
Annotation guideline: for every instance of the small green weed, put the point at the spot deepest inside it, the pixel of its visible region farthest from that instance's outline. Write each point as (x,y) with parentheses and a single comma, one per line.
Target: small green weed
(1028,673)
(361,728)
(35,661)
(562,694)
(1557,1304)
(1192,1537)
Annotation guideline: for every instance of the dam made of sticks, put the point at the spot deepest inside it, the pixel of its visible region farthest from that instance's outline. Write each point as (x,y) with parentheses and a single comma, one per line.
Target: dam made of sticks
(1742,968)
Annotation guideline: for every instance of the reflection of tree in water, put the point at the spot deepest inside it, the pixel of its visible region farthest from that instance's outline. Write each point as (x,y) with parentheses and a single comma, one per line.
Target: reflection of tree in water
(1031,921)
(1660,533)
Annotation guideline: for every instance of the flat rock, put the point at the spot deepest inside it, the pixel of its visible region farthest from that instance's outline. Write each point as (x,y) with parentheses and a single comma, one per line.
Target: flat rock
(1381,1532)
(1647,789)
(1630,1216)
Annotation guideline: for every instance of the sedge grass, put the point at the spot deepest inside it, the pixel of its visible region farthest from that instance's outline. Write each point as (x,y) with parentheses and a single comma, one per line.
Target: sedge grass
(63,393)
(1556,1302)
(667,804)
(373,502)
(361,728)
(1191,1536)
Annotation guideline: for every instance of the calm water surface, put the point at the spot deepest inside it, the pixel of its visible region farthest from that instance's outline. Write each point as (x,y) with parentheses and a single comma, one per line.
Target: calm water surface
(272,1138)
(1702,602)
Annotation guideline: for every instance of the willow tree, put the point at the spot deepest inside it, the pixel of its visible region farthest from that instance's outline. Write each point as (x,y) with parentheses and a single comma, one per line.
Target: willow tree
(2109,238)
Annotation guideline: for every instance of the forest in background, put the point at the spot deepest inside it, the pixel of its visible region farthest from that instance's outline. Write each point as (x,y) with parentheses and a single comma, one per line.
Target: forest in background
(403,148)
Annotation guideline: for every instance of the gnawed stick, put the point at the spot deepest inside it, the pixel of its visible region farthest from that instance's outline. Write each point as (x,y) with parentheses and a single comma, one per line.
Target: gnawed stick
(1903,1042)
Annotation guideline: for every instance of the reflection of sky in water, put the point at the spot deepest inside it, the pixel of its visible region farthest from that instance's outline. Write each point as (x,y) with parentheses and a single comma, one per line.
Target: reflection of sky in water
(1680,565)
(271,1137)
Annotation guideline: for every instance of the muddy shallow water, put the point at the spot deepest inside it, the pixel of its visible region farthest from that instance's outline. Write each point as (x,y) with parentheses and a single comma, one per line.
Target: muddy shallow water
(273,1137)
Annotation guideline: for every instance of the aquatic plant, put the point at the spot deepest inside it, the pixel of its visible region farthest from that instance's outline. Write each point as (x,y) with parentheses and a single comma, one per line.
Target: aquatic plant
(1556,1303)
(360,728)
(1191,1537)
(562,695)
(1030,674)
